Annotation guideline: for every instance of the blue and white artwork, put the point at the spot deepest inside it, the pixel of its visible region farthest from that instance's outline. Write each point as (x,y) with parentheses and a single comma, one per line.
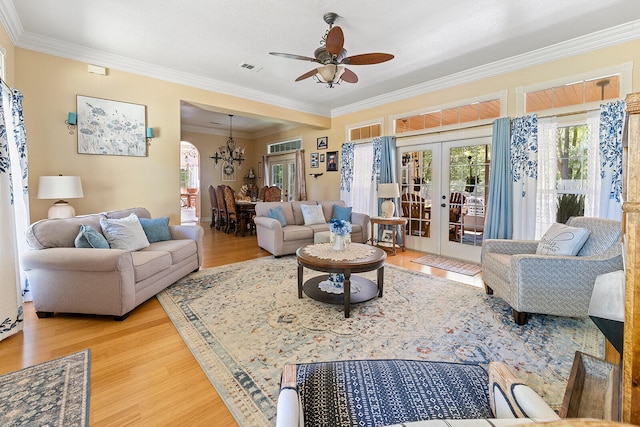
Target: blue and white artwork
(111,127)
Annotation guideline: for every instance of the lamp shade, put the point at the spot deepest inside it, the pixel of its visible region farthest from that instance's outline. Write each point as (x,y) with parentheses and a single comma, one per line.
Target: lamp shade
(60,187)
(388,191)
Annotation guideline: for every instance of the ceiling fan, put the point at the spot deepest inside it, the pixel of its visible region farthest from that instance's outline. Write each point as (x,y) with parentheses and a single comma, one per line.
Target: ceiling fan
(333,57)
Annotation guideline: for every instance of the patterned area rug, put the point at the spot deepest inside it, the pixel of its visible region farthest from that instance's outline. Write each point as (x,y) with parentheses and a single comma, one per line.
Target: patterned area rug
(244,321)
(53,393)
(449,264)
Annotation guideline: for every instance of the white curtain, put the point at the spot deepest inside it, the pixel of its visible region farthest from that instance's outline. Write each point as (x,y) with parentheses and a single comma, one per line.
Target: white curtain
(546,190)
(357,182)
(524,170)
(14,211)
(592,192)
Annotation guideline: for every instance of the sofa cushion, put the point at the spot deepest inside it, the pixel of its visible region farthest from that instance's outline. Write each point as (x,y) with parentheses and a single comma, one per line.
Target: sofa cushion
(178,249)
(262,209)
(561,239)
(278,213)
(148,263)
(341,212)
(124,233)
(327,207)
(297,232)
(89,237)
(312,214)
(157,229)
(59,232)
(140,213)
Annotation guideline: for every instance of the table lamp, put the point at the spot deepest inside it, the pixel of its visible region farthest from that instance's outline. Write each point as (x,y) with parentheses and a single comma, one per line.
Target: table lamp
(388,192)
(60,187)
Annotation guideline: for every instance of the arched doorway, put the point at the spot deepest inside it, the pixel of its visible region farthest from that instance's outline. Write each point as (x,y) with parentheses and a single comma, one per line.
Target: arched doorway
(189,183)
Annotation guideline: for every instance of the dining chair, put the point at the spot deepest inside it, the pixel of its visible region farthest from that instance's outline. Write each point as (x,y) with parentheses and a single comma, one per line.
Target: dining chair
(232,213)
(261,192)
(222,209)
(272,194)
(214,206)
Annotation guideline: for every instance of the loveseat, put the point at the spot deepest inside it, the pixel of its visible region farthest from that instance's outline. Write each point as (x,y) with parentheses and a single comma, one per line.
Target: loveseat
(285,235)
(72,270)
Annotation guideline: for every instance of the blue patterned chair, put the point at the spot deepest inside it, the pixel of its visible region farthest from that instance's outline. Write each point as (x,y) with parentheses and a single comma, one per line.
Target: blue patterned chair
(376,393)
(559,285)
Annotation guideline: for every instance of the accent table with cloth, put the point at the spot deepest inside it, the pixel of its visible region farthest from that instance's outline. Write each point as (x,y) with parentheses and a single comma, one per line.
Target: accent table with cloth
(358,258)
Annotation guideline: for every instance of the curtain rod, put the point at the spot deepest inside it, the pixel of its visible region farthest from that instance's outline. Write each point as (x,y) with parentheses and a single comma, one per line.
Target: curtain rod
(5,84)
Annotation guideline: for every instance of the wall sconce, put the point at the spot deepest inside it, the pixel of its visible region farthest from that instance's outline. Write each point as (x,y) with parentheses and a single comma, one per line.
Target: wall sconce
(71,121)
(149,135)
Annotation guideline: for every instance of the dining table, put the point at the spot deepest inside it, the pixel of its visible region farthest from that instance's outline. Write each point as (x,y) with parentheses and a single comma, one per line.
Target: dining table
(246,210)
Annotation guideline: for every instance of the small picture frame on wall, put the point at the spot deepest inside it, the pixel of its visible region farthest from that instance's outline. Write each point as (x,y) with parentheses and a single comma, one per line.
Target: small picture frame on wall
(322,158)
(332,161)
(323,143)
(314,160)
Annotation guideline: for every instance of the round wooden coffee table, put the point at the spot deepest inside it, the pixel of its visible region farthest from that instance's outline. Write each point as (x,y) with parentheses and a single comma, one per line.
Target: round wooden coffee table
(368,289)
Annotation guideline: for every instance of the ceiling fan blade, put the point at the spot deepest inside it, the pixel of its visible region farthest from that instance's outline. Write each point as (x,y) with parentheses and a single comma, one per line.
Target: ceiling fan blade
(368,58)
(349,76)
(307,74)
(293,56)
(335,41)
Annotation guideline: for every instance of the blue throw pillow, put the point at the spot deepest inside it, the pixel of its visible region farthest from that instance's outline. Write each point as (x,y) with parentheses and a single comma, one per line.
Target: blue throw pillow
(278,213)
(341,212)
(157,229)
(89,237)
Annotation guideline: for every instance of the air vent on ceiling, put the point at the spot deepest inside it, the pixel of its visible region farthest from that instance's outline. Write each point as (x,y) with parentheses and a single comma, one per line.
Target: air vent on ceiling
(250,67)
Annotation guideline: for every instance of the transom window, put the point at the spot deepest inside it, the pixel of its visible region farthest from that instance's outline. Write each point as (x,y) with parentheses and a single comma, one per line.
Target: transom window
(372,130)
(574,93)
(284,146)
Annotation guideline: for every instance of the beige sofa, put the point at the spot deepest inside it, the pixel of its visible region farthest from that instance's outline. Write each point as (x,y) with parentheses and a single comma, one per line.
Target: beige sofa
(279,240)
(112,282)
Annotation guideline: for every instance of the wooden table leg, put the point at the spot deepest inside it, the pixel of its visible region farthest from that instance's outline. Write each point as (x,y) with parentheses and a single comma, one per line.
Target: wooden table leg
(380,280)
(347,292)
(393,239)
(300,268)
(372,240)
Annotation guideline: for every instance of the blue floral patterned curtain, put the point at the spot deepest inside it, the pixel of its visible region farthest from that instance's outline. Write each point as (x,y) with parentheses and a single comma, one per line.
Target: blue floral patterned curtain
(14,211)
(524,172)
(499,206)
(346,170)
(612,116)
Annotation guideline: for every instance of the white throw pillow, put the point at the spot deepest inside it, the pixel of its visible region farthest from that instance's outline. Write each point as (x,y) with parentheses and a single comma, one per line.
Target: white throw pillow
(125,233)
(313,214)
(562,239)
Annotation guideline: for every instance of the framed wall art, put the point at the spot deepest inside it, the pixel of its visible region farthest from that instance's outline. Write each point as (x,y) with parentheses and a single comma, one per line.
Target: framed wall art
(323,143)
(332,161)
(322,158)
(111,127)
(228,172)
(314,160)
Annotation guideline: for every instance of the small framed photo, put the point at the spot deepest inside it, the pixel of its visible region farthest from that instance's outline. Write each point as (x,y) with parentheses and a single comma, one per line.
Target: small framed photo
(323,143)
(332,161)
(387,236)
(314,160)
(322,158)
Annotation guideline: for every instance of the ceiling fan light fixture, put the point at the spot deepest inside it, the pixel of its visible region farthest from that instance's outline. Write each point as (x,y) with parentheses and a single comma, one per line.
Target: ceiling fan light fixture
(330,73)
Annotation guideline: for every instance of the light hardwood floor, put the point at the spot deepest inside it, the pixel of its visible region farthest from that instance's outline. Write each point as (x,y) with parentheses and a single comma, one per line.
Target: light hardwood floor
(142,373)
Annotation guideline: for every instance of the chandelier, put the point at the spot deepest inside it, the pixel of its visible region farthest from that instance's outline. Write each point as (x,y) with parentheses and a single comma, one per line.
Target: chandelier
(230,153)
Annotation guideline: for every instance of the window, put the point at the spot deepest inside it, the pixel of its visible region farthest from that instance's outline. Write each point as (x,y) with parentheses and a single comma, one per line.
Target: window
(465,113)
(572,146)
(365,132)
(575,93)
(284,146)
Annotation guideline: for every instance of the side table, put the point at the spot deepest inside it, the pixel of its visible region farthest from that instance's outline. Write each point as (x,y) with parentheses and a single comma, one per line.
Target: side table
(393,221)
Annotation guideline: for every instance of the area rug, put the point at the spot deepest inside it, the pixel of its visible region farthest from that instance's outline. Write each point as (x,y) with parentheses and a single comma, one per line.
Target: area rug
(449,264)
(53,393)
(244,321)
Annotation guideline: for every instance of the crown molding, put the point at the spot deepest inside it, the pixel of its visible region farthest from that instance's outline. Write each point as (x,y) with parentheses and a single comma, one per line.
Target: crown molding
(75,52)
(590,42)
(10,20)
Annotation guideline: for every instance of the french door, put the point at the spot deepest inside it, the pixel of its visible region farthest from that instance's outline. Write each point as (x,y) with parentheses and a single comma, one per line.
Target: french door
(282,171)
(444,188)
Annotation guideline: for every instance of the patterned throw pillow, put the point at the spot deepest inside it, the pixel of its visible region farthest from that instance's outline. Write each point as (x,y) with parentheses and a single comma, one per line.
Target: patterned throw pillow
(562,239)
(313,214)
(89,237)
(157,229)
(278,213)
(126,233)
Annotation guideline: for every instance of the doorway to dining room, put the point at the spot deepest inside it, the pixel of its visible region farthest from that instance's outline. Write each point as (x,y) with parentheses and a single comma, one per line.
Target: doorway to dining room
(190,202)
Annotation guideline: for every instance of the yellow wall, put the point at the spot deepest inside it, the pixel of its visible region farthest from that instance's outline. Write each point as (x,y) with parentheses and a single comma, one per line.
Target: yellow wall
(50,85)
